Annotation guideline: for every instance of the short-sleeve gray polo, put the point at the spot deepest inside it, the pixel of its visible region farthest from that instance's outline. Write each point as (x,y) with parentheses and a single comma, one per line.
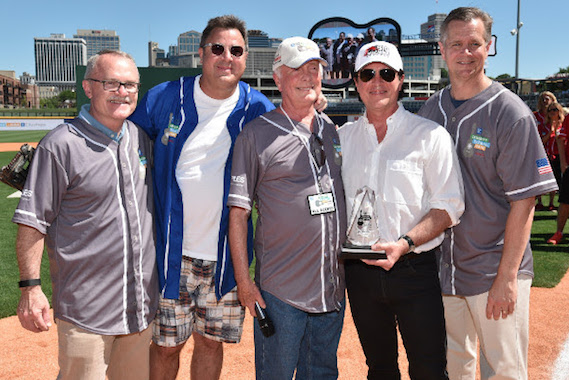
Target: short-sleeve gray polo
(92,198)
(296,252)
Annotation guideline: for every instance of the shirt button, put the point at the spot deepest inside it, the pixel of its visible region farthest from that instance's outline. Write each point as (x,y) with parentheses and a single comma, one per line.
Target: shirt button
(124,165)
(453,119)
(446,265)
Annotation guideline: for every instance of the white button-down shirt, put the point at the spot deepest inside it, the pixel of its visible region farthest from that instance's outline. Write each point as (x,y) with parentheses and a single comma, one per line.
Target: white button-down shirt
(413,170)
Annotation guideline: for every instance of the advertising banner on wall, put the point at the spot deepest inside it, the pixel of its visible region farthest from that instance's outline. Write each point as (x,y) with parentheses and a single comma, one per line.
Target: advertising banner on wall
(29,124)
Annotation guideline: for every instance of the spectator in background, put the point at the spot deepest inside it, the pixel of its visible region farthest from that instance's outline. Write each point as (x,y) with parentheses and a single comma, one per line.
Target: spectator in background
(348,56)
(543,101)
(553,122)
(338,45)
(557,115)
(327,52)
(370,36)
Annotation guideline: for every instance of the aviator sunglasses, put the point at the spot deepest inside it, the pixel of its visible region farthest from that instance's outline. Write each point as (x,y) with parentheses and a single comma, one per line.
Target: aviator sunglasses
(387,75)
(218,49)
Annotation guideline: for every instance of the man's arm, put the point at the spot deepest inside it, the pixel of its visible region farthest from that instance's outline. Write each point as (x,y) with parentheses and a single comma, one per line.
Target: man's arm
(33,308)
(428,228)
(504,291)
(247,291)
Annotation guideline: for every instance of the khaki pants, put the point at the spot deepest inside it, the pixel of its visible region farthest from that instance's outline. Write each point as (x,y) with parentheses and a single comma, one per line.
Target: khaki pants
(88,356)
(503,343)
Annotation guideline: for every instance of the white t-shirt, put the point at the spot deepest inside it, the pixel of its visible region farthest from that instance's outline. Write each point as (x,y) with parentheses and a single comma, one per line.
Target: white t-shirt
(200,173)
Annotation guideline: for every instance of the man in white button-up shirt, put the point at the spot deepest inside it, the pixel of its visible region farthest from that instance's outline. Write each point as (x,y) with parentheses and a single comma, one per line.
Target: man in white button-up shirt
(411,165)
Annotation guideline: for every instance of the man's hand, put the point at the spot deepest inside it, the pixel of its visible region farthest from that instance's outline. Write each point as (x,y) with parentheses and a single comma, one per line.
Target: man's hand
(321,103)
(501,298)
(248,294)
(33,310)
(394,250)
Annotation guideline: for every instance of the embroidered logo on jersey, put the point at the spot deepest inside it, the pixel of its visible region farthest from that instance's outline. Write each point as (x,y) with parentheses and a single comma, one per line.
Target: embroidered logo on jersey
(543,166)
(27,193)
(142,158)
(477,143)
(171,131)
(238,179)
(337,152)
(480,142)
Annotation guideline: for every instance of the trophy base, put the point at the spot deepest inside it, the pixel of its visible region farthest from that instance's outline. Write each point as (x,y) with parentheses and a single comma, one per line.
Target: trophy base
(350,251)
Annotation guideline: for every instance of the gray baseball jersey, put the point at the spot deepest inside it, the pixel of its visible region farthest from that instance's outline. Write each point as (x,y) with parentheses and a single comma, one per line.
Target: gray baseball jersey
(92,198)
(296,252)
(502,160)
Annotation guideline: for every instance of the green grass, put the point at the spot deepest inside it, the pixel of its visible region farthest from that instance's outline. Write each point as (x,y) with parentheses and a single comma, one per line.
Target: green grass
(550,262)
(21,136)
(9,275)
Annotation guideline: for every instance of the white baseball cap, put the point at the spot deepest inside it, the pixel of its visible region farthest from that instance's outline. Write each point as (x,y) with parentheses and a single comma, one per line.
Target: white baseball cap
(294,52)
(379,51)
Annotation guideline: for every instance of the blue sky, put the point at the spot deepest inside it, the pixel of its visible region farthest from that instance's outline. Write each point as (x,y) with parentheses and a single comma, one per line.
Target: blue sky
(543,38)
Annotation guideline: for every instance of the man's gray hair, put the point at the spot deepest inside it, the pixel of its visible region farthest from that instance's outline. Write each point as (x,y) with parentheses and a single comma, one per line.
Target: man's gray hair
(468,14)
(92,62)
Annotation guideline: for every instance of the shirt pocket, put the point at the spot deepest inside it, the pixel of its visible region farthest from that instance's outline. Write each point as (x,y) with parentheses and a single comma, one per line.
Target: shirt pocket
(403,182)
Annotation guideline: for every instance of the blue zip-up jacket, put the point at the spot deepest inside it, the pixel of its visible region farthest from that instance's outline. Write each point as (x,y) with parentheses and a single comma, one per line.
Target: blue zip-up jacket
(168,114)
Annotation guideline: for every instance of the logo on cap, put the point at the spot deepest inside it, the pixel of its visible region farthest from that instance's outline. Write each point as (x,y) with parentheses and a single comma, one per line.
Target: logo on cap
(377,50)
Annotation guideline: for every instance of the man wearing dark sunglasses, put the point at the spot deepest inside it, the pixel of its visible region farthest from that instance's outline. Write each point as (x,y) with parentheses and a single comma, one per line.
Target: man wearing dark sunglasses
(486,266)
(410,163)
(194,122)
(288,162)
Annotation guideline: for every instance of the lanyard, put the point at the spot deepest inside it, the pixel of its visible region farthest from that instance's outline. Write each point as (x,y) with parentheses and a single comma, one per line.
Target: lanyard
(304,140)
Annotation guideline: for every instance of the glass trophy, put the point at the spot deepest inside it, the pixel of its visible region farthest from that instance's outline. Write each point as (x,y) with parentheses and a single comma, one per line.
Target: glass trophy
(363,230)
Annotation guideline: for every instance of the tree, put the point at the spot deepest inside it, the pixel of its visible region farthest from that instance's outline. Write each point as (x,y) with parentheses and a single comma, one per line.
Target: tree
(504,76)
(563,70)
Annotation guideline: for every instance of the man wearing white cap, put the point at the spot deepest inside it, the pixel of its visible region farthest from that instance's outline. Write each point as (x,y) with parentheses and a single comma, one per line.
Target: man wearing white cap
(410,163)
(288,161)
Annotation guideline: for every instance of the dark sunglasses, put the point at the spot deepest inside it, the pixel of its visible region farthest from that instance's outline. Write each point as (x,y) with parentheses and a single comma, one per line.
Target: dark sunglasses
(553,110)
(317,149)
(218,49)
(387,75)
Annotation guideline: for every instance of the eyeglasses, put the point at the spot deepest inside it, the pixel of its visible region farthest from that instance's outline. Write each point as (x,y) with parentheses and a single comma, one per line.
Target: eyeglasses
(218,49)
(114,85)
(387,75)
(553,110)
(317,150)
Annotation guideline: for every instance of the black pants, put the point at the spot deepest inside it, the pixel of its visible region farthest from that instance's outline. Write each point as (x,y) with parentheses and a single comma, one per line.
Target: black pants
(408,295)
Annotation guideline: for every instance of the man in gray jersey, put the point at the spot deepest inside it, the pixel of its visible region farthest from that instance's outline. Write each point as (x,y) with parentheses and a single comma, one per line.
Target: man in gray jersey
(88,196)
(487,266)
(288,162)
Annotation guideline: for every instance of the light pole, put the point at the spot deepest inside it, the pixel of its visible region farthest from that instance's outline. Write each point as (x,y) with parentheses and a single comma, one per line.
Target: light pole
(516,32)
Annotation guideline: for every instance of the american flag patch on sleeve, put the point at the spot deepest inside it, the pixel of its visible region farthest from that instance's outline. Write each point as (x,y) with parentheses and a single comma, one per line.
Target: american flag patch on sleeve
(543,166)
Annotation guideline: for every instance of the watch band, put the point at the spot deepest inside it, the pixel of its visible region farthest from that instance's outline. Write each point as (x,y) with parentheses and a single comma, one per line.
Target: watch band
(32,282)
(409,241)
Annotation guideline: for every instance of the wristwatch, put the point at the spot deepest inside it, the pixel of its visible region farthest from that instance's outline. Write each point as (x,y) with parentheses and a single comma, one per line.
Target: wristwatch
(409,241)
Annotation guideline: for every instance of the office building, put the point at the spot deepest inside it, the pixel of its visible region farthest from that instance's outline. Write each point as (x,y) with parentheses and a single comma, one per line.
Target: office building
(425,66)
(98,40)
(156,55)
(56,60)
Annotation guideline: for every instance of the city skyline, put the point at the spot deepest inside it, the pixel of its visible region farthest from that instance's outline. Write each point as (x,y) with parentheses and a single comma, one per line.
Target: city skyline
(137,23)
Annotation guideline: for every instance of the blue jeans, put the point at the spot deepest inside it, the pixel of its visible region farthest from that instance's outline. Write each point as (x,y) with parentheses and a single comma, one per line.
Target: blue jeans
(305,342)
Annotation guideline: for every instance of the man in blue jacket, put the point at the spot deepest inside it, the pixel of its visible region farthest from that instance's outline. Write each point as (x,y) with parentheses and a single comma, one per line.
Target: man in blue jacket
(194,122)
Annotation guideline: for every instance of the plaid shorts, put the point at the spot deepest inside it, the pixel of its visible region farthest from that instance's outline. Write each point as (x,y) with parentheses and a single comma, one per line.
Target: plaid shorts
(198,309)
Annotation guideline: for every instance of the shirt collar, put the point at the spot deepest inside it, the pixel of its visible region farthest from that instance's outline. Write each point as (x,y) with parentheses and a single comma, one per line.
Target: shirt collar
(85,115)
(393,122)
